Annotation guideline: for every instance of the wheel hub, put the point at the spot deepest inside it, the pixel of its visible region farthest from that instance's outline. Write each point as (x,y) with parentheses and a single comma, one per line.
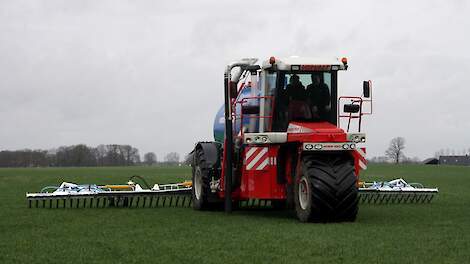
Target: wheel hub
(304,193)
(198,183)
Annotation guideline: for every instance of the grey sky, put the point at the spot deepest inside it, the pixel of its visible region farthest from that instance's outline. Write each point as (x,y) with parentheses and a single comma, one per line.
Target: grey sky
(149,73)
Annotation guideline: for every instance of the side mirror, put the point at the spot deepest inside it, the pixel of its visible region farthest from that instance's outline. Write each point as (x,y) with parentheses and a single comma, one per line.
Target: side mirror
(351,108)
(366,89)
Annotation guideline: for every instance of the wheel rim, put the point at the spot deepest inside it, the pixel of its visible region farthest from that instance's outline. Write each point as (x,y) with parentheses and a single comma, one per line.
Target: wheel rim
(304,193)
(198,183)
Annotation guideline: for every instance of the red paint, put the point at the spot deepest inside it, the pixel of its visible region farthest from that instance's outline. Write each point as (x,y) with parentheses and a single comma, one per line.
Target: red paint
(316,132)
(358,157)
(261,184)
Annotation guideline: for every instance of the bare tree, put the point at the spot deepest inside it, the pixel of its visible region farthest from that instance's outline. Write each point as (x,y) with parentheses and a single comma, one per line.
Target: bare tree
(130,155)
(150,158)
(395,150)
(101,151)
(172,158)
(76,155)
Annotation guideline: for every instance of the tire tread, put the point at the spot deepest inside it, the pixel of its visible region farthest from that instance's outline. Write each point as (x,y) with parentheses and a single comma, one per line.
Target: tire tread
(333,188)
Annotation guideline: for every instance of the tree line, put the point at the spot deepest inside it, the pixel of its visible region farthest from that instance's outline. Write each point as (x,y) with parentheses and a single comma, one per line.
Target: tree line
(82,156)
(395,153)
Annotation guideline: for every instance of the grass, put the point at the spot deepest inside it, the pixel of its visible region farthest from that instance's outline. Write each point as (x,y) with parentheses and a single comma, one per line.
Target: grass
(435,233)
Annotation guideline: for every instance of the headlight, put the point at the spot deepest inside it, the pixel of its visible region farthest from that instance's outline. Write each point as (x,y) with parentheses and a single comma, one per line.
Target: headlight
(352,146)
(356,137)
(345,146)
(318,146)
(308,146)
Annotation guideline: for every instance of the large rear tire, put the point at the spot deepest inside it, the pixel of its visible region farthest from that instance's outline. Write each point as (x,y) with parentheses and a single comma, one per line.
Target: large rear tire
(202,196)
(325,189)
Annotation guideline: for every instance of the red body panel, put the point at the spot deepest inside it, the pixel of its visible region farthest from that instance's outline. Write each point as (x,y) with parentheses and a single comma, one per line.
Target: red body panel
(259,174)
(259,179)
(315,132)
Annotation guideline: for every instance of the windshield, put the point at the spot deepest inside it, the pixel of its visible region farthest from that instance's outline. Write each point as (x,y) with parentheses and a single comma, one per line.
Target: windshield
(276,98)
(307,79)
(305,96)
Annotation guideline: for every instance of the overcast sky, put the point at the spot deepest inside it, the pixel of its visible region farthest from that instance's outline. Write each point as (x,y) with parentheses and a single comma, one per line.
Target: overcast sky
(149,73)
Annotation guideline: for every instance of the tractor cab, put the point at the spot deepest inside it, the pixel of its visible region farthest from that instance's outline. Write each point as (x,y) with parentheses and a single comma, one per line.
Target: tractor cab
(267,97)
(271,97)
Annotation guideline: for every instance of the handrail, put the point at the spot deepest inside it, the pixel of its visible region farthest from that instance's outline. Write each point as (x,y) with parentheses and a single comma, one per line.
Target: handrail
(350,116)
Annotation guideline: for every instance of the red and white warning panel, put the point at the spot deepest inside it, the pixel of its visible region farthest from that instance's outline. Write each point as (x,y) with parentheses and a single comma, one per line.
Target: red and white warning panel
(257,158)
(259,179)
(360,160)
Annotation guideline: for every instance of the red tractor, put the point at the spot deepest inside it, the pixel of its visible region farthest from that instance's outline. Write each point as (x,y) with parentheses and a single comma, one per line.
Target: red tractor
(279,139)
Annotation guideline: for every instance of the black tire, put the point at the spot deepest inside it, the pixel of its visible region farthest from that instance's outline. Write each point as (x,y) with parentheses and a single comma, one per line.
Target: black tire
(327,183)
(202,196)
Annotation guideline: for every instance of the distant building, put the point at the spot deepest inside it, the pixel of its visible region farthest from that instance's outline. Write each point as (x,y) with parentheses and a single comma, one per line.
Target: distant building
(455,160)
(431,161)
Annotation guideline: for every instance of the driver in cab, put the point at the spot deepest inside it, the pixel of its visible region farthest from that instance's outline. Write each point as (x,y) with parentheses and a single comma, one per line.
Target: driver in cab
(318,95)
(298,107)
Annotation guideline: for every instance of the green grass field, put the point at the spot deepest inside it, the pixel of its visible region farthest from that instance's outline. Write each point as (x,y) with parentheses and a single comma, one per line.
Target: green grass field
(432,233)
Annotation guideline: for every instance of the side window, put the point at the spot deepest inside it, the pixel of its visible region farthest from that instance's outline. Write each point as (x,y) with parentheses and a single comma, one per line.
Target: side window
(266,104)
(271,81)
(327,80)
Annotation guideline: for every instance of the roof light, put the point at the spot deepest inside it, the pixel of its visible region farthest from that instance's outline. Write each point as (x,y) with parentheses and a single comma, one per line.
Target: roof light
(272,60)
(344,60)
